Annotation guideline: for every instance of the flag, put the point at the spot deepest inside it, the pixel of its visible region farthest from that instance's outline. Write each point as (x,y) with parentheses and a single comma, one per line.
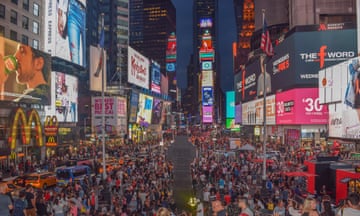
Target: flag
(101,45)
(265,44)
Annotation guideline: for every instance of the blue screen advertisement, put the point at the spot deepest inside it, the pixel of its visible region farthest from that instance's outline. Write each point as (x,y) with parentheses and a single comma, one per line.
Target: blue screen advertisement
(155,77)
(207,96)
(134,100)
(230,104)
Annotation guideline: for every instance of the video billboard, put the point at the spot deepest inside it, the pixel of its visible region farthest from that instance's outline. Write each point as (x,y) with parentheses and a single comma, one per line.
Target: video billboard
(300,106)
(96,67)
(238,87)
(30,82)
(164,85)
(253,111)
(155,77)
(207,78)
(138,69)
(231,125)
(251,85)
(64,94)
(207,96)
(230,104)
(144,109)
(65,30)
(207,112)
(134,101)
(299,57)
(157,111)
(238,113)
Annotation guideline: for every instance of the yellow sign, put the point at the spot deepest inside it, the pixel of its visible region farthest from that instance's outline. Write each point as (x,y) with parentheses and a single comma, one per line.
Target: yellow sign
(51,141)
(51,126)
(27,126)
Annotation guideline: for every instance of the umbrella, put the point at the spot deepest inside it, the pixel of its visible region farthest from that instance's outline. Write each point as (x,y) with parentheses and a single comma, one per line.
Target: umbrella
(247,147)
(299,174)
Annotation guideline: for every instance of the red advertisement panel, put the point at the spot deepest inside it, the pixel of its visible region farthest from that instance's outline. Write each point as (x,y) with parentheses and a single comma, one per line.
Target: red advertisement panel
(300,106)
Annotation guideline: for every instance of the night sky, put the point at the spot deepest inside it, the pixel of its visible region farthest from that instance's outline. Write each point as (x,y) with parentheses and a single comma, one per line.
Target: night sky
(184,40)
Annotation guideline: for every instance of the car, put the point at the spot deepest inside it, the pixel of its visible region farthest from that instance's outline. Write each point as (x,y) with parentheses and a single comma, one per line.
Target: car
(41,180)
(11,189)
(19,181)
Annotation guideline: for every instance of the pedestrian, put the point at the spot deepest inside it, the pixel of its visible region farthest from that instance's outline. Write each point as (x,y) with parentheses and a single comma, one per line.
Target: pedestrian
(244,206)
(218,208)
(58,208)
(20,205)
(30,199)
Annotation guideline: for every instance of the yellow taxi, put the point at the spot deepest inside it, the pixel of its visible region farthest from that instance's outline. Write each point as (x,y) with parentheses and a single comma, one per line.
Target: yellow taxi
(41,180)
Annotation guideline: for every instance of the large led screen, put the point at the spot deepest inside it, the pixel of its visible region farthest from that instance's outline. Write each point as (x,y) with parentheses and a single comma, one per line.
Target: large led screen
(238,113)
(134,101)
(64,94)
(144,110)
(138,69)
(207,112)
(300,106)
(65,30)
(253,111)
(298,59)
(231,125)
(157,111)
(207,96)
(164,85)
(155,77)
(238,87)
(207,78)
(230,104)
(25,73)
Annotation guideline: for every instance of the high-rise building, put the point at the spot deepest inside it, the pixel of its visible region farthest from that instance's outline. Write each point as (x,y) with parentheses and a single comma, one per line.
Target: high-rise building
(22,21)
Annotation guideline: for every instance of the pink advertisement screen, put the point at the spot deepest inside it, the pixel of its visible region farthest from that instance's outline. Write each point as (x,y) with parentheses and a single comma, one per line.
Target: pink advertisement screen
(300,106)
(207,114)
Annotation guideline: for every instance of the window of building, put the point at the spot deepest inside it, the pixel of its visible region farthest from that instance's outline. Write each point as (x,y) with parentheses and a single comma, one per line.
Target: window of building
(25,22)
(35,27)
(26,5)
(25,39)
(36,10)
(13,35)
(14,1)
(13,17)
(2,31)
(35,44)
(2,11)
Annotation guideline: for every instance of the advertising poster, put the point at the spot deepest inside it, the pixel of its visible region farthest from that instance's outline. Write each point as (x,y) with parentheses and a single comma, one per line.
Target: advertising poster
(144,110)
(96,68)
(207,96)
(300,106)
(207,114)
(134,101)
(157,111)
(230,104)
(26,73)
(207,78)
(299,58)
(164,85)
(155,77)
(65,27)
(231,125)
(253,114)
(138,69)
(238,87)
(110,114)
(238,113)
(252,82)
(64,96)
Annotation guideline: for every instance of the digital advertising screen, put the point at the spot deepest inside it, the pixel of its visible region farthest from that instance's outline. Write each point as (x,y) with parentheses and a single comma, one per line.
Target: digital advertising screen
(144,109)
(65,27)
(206,23)
(134,101)
(138,69)
(253,111)
(155,77)
(300,106)
(238,87)
(207,78)
(157,111)
(171,53)
(64,96)
(230,104)
(299,57)
(238,113)
(26,74)
(96,67)
(207,96)
(207,114)
(231,125)
(164,84)
(252,82)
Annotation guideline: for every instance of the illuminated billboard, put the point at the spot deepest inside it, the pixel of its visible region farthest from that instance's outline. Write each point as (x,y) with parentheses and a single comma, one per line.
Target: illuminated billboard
(96,68)
(253,111)
(231,125)
(238,87)
(238,113)
(300,106)
(134,101)
(230,104)
(206,23)
(171,51)
(206,52)
(65,30)
(138,69)
(164,85)
(299,57)
(157,111)
(207,96)
(207,78)
(207,112)
(114,113)
(64,94)
(27,75)
(155,77)
(144,109)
